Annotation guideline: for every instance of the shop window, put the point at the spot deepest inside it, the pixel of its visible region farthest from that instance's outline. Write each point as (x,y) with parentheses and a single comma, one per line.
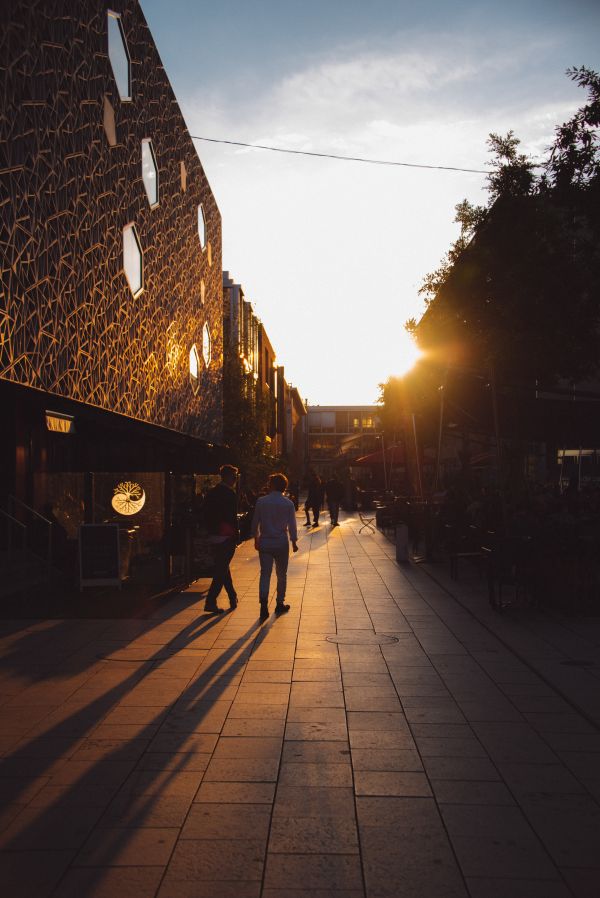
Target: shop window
(328,422)
(150,173)
(206,345)
(341,422)
(194,368)
(201,226)
(133,260)
(119,55)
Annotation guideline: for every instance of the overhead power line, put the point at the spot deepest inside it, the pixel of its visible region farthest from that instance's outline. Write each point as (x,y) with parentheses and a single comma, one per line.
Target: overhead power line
(258,146)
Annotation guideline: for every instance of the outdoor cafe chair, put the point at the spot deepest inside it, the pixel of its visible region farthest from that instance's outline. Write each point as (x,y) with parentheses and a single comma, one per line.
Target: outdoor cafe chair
(367,518)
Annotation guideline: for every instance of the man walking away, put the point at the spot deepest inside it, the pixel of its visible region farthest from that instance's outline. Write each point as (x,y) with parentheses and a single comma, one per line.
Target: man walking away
(314,500)
(273,528)
(220,514)
(334,492)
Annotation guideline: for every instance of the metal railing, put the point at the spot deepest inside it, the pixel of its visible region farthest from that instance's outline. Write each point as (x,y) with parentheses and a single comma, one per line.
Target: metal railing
(14,526)
(39,544)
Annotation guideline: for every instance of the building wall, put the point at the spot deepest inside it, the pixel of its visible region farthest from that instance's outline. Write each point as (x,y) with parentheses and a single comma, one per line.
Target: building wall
(337,434)
(69,324)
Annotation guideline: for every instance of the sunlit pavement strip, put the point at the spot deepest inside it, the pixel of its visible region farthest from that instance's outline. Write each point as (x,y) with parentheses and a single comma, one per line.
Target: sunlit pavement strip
(414,754)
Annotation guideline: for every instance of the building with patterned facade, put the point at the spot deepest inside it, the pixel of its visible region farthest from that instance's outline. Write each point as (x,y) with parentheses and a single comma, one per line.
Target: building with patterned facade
(111,339)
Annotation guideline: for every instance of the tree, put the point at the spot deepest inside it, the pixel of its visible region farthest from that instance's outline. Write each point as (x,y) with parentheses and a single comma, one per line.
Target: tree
(246,414)
(518,288)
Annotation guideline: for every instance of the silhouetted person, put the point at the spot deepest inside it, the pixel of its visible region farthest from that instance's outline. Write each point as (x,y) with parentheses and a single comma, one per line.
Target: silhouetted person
(273,528)
(314,500)
(220,514)
(334,491)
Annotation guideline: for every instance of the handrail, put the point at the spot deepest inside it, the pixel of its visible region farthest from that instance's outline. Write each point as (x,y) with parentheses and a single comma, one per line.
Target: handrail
(12,521)
(41,517)
(30,509)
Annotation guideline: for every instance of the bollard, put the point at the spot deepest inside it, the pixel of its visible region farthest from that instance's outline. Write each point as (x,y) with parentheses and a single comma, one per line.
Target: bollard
(401,542)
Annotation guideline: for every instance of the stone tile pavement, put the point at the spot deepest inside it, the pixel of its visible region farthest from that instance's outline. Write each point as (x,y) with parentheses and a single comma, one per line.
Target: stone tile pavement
(383,739)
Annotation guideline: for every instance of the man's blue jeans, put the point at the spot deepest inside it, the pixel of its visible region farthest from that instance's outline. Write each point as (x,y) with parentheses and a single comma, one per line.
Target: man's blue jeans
(281,557)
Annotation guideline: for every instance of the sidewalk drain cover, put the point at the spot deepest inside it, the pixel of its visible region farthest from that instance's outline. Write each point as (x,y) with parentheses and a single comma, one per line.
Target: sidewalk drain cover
(363,639)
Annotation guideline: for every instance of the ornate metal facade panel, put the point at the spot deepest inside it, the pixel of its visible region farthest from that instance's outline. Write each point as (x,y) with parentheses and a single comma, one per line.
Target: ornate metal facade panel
(70,181)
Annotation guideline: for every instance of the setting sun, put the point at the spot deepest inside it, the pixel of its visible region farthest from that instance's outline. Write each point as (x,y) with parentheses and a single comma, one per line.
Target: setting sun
(408,353)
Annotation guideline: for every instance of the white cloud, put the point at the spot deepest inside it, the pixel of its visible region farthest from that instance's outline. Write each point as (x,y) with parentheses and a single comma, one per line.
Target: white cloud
(332,252)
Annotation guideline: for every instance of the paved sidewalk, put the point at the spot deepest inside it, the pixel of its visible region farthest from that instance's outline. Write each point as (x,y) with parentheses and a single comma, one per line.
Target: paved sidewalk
(379,740)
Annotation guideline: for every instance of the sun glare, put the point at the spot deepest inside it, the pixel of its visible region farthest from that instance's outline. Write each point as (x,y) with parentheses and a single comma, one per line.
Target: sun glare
(407,354)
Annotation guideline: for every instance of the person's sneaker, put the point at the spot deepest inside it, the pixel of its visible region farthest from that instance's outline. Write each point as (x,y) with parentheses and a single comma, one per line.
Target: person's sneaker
(213,609)
(233,602)
(264,612)
(316,524)
(281,608)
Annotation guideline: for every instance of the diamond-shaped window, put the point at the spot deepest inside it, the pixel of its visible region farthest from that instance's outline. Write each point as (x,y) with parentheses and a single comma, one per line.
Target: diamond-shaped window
(133,260)
(119,55)
(201,227)
(194,368)
(206,345)
(150,172)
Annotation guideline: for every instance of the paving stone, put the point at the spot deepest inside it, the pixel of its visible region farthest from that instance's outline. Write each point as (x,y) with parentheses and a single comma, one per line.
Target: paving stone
(391,783)
(184,761)
(177,742)
(496,841)
(25,874)
(313,871)
(316,731)
(471,792)
(212,859)
(313,893)
(242,770)
(378,721)
(440,747)
(313,801)
(517,888)
(53,828)
(215,889)
(127,811)
(165,782)
(315,752)
(253,727)
(250,747)
(460,769)
(310,835)
(583,883)
(208,820)
(108,882)
(405,849)
(385,759)
(382,740)
(238,793)
(128,847)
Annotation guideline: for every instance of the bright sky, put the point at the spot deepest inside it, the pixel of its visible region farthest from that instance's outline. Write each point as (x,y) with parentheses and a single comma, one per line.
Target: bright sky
(332,254)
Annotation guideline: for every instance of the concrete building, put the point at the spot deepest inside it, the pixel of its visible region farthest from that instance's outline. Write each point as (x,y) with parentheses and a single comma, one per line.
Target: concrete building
(110,273)
(246,338)
(339,434)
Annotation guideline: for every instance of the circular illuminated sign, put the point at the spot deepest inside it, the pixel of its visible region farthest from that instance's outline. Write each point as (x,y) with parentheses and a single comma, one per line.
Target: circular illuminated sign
(128,498)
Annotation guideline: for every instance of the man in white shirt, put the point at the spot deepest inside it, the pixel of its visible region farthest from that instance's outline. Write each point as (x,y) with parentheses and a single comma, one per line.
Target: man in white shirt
(273,528)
